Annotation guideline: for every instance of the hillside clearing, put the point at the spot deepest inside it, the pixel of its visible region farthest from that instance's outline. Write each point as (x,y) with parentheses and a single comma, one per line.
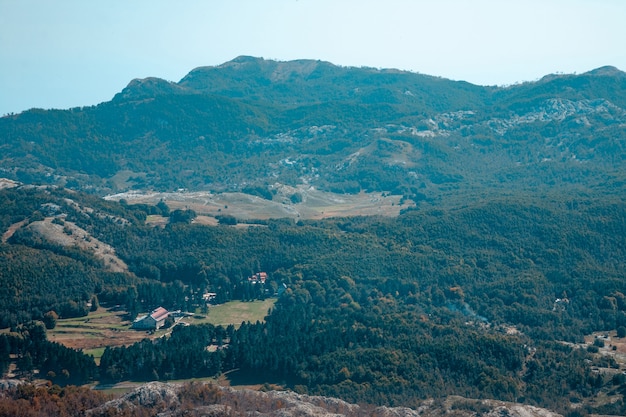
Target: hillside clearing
(235,312)
(315,204)
(109,327)
(66,233)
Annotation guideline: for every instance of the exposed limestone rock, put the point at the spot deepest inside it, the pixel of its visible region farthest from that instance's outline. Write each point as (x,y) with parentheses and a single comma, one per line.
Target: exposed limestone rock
(6,384)
(155,395)
(167,400)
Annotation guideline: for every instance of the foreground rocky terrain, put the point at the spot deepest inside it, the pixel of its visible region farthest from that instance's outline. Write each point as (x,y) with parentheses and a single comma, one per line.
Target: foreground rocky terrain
(173,400)
(197,399)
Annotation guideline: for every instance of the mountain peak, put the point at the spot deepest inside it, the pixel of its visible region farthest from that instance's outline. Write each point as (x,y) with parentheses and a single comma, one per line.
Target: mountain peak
(246,74)
(270,68)
(245,59)
(238,62)
(141,88)
(607,70)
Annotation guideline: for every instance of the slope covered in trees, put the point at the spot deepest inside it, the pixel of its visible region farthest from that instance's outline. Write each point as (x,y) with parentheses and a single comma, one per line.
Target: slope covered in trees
(251,123)
(513,253)
(376,309)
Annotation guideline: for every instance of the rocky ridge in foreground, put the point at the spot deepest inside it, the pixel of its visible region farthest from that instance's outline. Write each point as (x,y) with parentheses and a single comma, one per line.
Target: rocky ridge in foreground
(199,399)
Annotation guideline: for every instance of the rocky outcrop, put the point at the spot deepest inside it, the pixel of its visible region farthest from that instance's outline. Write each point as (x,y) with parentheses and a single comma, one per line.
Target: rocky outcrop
(6,384)
(200,399)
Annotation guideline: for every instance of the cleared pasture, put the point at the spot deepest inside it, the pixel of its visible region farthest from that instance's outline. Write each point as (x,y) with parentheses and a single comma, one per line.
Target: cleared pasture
(234,312)
(107,327)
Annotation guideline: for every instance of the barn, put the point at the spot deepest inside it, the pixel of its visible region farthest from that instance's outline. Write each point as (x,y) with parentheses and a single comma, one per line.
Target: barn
(152,321)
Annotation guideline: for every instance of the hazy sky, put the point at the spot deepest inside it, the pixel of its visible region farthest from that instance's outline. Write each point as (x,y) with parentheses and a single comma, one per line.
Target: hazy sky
(67,53)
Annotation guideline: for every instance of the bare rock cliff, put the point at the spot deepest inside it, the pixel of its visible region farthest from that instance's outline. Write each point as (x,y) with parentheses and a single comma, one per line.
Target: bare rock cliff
(199,399)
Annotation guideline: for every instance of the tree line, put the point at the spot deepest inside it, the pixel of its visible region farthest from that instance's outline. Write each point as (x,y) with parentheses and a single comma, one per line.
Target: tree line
(376,309)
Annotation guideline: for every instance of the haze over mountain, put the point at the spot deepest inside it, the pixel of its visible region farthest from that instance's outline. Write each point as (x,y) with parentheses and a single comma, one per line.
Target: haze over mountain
(256,123)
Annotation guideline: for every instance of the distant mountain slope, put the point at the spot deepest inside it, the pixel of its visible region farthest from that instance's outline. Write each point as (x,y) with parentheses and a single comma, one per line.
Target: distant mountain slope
(253,123)
(307,82)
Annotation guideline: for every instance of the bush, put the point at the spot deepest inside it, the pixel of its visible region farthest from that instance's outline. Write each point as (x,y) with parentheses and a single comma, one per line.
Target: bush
(182,216)
(227,220)
(50,319)
(296,198)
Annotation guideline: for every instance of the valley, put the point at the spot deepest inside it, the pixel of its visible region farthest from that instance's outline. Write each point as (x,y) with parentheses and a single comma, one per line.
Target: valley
(368,236)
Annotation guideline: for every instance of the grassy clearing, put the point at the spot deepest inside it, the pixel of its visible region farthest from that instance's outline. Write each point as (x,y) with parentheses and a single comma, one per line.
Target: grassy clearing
(316,204)
(99,329)
(157,220)
(235,312)
(96,353)
(104,327)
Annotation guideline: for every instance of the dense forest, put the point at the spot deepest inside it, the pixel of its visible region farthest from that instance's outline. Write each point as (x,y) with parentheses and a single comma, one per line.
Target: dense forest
(477,301)
(511,251)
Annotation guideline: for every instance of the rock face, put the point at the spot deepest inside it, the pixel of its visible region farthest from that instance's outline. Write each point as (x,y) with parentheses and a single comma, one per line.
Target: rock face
(199,399)
(6,384)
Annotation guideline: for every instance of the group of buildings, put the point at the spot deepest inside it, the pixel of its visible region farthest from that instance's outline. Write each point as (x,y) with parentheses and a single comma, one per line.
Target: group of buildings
(157,317)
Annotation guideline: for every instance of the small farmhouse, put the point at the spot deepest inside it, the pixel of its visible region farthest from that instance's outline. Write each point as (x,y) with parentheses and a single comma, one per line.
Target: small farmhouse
(209,297)
(258,277)
(152,321)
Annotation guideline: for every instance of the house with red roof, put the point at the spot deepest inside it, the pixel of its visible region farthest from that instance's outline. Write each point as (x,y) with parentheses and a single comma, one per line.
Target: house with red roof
(258,277)
(153,321)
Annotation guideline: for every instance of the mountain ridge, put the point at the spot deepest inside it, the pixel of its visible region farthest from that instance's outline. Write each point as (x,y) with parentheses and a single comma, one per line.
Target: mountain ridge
(260,123)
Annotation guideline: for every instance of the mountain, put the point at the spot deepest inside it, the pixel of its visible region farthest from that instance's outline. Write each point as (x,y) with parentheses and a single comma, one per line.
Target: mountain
(255,123)
(505,284)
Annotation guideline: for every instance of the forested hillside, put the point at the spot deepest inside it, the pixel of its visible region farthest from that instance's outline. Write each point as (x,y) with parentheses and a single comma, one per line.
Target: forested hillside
(500,274)
(255,123)
(476,301)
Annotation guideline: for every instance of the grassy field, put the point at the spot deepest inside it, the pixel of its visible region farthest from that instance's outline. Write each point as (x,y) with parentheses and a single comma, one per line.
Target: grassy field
(315,204)
(96,353)
(93,333)
(235,312)
(106,327)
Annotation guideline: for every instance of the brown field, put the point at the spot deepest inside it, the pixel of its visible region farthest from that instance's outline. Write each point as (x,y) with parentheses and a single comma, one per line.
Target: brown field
(108,327)
(613,346)
(99,329)
(12,229)
(315,204)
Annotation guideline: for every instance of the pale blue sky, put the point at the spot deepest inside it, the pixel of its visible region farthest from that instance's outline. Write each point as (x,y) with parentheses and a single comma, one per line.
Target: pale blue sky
(67,53)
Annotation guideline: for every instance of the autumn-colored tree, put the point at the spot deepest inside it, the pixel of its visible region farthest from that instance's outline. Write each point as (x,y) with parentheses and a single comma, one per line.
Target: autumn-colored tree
(50,319)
